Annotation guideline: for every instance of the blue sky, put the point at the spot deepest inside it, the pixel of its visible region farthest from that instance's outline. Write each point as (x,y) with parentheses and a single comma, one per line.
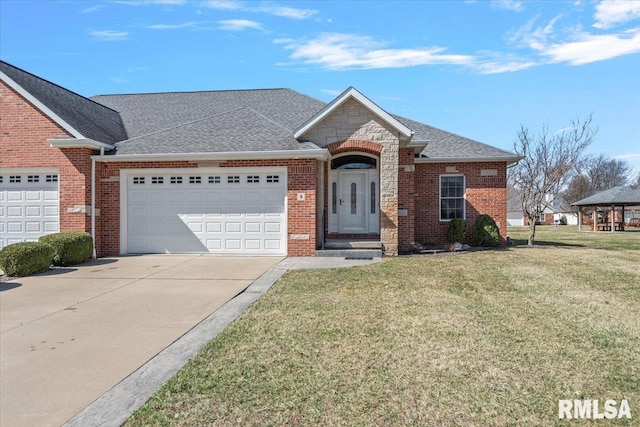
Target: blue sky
(476,68)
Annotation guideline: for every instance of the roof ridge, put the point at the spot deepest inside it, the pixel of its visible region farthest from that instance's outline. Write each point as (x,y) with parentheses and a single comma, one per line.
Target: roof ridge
(280,125)
(58,86)
(180,125)
(191,92)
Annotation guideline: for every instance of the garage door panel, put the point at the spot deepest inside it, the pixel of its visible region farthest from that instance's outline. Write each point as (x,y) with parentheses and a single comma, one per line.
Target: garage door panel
(33,227)
(15,211)
(50,227)
(223,212)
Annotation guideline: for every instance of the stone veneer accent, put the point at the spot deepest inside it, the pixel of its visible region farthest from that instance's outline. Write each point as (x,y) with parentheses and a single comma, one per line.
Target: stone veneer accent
(353,121)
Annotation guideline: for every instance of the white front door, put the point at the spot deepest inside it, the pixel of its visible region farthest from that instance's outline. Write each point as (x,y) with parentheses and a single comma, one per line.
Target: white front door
(353,201)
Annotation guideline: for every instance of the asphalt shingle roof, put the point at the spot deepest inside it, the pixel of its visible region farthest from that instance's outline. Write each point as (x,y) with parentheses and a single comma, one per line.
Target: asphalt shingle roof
(215,121)
(614,196)
(92,120)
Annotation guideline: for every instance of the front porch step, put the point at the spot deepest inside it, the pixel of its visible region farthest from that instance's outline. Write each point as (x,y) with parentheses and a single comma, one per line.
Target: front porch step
(352,244)
(350,253)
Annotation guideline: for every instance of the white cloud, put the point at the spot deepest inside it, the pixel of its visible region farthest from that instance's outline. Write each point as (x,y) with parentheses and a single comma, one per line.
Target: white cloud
(239,25)
(612,12)
(336,51)
(502,65)
(574,45)
(173,26)
(223,4)
(507,5)
(286,12)
(331,92)
(267,7)
(92,9)
(587,48)
(109,35)
(149,2)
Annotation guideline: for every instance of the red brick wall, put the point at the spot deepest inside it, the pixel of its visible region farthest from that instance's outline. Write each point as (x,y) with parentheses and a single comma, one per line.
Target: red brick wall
(406,199)
(24,131)
(484,195)
(302,178)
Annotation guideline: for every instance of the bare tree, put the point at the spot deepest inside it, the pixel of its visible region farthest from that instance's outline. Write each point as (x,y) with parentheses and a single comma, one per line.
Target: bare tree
(596,174)
(547,163)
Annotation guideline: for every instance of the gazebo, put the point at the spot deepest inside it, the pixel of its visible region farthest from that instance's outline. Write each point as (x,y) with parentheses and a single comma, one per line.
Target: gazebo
(613,198)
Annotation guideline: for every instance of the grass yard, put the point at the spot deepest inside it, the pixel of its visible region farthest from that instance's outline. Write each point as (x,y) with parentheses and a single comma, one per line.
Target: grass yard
(475,339)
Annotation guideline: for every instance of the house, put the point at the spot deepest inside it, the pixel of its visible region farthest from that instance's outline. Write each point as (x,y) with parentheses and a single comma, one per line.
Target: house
(266,171)
(516,216)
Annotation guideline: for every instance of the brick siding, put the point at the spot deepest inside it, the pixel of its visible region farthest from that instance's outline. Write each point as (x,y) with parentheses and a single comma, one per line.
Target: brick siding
(24,131)
(484,195)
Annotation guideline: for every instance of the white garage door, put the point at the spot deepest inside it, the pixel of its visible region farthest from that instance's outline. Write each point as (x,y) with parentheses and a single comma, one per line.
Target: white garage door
(236,212)
(515,219)
(28,206)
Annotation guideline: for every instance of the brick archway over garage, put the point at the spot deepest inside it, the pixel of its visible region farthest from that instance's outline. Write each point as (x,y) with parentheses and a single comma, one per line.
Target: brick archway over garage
(355,145)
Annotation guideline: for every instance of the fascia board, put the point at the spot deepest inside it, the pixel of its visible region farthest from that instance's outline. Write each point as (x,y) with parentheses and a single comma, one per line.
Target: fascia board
(78,143)
(40,106)
(341,99)
(234,155)
(509,160)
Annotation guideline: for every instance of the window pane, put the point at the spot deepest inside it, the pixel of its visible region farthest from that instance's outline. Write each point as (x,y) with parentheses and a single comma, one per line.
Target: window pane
(373,197)
(451,197)
(334,197)
(353,198)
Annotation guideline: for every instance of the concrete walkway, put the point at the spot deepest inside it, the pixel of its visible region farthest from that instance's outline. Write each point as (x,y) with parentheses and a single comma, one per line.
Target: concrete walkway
(70,335)
(155,322)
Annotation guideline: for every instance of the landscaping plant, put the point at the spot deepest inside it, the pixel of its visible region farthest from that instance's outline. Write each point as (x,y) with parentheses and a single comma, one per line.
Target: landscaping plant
(25,258)
(69,247)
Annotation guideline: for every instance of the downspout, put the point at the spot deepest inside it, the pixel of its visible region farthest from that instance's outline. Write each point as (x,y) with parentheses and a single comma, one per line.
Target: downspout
(93,202)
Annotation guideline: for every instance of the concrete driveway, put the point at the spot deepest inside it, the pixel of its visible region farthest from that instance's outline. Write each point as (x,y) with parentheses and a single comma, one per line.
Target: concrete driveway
(69,335)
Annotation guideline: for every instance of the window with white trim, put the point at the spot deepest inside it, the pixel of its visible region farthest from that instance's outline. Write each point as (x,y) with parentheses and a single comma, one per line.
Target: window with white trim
(452,203)
(138,179)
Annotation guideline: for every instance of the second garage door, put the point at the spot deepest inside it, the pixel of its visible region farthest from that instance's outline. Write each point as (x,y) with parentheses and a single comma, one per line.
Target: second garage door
(232,212)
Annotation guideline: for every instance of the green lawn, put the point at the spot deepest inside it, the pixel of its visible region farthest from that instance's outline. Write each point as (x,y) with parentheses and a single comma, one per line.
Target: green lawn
(474,339)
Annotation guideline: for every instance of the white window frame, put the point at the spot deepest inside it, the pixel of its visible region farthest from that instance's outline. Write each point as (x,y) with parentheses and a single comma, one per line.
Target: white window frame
(464,196)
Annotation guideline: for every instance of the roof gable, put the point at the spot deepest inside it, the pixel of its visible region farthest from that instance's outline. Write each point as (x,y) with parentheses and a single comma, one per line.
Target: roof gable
(352,93)
(79,116)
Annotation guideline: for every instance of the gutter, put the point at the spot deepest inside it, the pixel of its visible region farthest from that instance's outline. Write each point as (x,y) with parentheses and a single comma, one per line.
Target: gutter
(79,143)
(509,160)
(319,154)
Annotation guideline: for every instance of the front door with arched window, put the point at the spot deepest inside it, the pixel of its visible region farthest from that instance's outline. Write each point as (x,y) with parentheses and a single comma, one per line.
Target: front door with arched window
(354,201)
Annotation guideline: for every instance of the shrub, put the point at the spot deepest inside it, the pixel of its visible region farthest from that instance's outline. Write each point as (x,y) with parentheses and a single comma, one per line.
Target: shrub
(486,231)
(563,220)
(457,231)
(25,258)
(69,247)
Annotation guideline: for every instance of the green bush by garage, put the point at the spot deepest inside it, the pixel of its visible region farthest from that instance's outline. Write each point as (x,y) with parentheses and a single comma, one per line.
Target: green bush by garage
(69,247)
(25,258)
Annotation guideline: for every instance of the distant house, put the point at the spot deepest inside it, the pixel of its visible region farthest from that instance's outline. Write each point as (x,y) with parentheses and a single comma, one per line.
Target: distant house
(516,216)
(269,171)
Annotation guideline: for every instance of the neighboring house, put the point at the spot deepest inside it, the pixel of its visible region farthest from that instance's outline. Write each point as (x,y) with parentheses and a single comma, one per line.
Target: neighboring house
(241,172)
(563,208)
(516,216)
